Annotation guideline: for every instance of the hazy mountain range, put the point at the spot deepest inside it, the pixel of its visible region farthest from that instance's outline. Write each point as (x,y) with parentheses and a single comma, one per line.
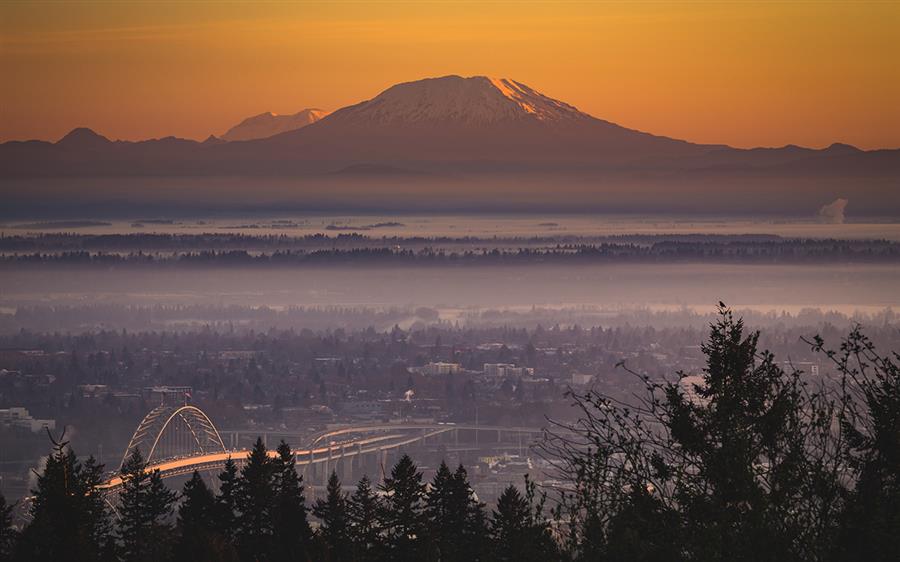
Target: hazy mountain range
(448,143)
(268,124)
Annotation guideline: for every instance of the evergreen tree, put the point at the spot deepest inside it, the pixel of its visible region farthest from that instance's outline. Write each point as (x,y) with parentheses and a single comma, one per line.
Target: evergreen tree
(69,520)
(402,512)
(455,518)
(290,526)
(145,507)
(255,498)
(198,537)
(519,530)
(740,467)
(363,515)
(473,540)
(226,502)
(644,530)
(8,534)
(335,531)
(743,436)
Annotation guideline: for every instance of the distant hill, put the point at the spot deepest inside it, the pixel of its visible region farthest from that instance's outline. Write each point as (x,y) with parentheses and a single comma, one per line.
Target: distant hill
(473,142)
(267,124)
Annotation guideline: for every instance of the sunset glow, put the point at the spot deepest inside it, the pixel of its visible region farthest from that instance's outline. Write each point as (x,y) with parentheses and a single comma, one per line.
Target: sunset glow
(760,74)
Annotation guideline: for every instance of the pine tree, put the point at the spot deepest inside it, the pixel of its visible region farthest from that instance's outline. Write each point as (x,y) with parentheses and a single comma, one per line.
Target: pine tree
(8,535)
(518,529)
(455,519)
(291,531)
(69,520)
(473,541)
(334,532)
(198,537)
(402,512)
(255,498)
(226,501)
(510,525)
(743,437)
(643,531)
(146,505)
(363,514)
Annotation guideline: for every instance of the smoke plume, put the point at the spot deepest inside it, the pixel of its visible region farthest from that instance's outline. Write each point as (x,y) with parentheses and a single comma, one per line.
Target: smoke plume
(833,212)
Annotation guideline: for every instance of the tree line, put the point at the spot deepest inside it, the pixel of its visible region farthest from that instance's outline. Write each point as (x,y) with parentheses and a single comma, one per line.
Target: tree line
(780,251)
(260,514)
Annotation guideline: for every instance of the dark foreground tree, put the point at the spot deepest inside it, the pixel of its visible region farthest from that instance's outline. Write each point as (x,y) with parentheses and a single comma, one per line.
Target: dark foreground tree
(519,528)
(199,539)
(456,520)
(8,534)
(363,512)
(290,525)
(335,530)
(227,501)
(869,526)
(254,501)
(402,515)
(145,508)
(69,520)
(740,466)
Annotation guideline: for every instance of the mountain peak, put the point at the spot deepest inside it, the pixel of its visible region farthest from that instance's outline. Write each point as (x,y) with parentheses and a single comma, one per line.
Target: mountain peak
(476,100)
(268,124)
(843,148)
(83,137)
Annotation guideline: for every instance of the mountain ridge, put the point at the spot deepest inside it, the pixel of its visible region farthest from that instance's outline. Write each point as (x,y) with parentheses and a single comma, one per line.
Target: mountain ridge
(480,132)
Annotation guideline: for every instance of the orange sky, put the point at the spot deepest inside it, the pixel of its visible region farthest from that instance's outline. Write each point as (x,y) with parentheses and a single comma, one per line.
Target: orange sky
(747,74)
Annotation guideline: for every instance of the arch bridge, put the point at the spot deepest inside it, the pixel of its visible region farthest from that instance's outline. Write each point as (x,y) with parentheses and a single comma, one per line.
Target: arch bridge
(180,439)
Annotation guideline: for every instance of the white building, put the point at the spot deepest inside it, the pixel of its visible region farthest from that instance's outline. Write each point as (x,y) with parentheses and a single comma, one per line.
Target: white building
(436,369)
(20,418)
(504,370)
(580,379)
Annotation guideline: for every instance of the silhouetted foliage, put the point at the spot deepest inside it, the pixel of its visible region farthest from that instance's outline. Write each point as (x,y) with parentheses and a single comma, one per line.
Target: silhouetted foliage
(519,528)
(363,511)
(869,526)
(8,534)
(402,515)
(456,520)
(751,462)
(146,504)
(255,501)
(335,530)
(199,538)
(226,502)
(69,520)
(290,527)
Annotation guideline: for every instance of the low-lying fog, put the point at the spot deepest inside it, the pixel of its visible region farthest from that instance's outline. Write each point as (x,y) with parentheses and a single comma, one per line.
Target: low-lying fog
(839,287)
(485,225)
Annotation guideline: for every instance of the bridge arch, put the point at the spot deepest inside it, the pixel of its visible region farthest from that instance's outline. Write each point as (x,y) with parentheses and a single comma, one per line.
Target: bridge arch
(191,423)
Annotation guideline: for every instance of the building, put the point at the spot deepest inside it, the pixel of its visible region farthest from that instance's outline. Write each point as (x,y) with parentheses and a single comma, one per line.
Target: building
(580,379)
(436,369)
(504,370)
(18,417)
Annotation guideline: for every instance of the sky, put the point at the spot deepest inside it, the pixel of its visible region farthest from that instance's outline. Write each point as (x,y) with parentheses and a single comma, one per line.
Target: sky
(743,73)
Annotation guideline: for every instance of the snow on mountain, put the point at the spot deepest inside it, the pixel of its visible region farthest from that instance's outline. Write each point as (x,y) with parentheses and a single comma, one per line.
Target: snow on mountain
(268,124)
(454,100)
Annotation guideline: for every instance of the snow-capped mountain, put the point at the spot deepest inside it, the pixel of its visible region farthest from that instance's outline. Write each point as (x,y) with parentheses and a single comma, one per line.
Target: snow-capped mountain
(268,124)
(456,101)
(483,139)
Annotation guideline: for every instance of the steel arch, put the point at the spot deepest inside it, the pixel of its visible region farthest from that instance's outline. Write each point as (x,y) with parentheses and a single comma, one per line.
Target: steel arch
(155,423)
